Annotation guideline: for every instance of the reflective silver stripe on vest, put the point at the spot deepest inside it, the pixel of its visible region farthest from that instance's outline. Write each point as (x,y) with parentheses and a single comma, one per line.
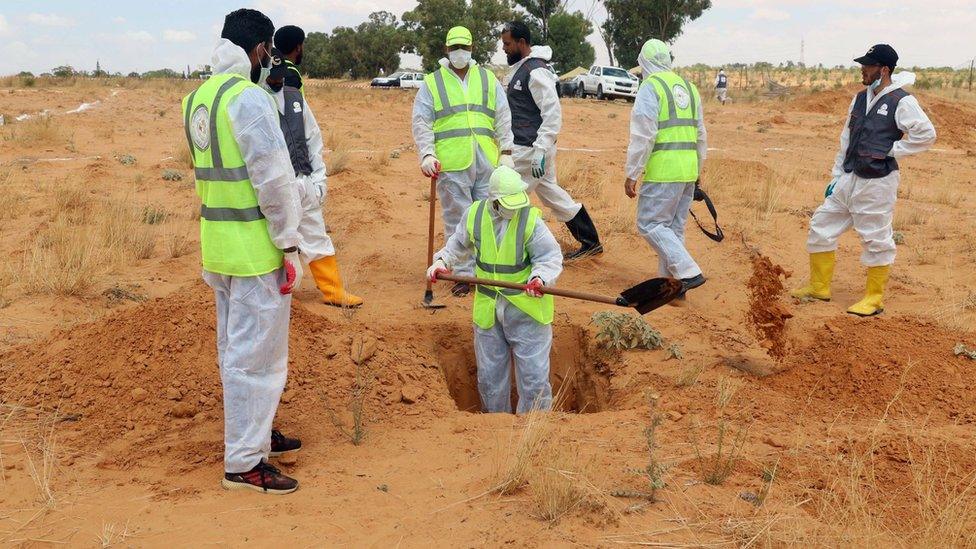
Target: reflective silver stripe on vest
(675,147)
(522,261)
(217,161)
(463,132)
(447,109)
(673,120)
(492,291)
(186,122)
(222,174)
(231,214)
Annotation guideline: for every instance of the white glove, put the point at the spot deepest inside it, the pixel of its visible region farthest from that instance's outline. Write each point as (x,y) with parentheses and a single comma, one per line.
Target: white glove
(430,166)
(506,160)
(438,267)
(539,163)
(293,272)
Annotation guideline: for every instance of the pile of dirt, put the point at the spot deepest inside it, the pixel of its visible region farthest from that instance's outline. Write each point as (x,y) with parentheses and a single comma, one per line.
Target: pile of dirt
(768,313)
(954,124)
(826,102)
(145,381)
(902,365)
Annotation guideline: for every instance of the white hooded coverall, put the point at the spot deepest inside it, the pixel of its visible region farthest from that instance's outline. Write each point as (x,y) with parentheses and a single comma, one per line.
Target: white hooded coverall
(869,204)
(252,315)
(515,334)
(458,190)
(312,189)
(542,86)
(662,208)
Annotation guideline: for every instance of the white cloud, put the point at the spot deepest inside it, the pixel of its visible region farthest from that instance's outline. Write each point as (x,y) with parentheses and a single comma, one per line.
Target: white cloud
(178,36)
(4,27)
(50,20)
(324,15)
(142,37)
(118,20)
(770,14)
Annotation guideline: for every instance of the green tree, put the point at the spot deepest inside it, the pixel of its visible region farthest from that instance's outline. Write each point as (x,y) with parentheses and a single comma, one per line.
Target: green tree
(64,71)
(631,22)
(431,19)
(361,51)
(567,38)
(542,12)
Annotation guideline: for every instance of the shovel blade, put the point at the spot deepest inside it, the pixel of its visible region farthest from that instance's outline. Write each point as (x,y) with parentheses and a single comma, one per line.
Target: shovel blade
(651,294)
(428,302)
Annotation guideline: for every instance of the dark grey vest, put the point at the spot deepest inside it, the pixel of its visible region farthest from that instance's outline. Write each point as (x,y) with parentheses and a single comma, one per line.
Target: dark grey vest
(293,126)
(723,81)
(526,116)
(872,136)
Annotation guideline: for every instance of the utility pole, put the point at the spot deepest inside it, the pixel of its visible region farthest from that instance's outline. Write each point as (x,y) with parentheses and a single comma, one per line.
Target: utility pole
(802,62)
(971,64)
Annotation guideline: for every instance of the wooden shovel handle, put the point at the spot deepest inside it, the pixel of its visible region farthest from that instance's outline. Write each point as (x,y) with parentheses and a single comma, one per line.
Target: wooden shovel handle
(430,227)
(551,291)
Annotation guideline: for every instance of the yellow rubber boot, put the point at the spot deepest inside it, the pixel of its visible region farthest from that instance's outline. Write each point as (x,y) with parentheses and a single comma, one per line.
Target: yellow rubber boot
(871,304)
(821,273)
(326,274)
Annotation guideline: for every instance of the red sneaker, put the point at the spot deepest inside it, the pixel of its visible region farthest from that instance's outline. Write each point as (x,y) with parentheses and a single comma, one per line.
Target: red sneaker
(263,478)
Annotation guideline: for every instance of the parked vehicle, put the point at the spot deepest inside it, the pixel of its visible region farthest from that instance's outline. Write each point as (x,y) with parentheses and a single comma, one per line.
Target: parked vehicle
(608,82)
(399,79)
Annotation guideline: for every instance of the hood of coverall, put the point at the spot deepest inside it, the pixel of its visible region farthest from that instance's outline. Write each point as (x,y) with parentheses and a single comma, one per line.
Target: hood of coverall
(228,57)
(654,57)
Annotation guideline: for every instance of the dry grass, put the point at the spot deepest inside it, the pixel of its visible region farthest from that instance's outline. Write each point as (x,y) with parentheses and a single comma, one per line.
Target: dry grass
(38,130)
(689,374)
(63,260)
(123,233)
(71,201)
(946,193)
(178,244)
(582,180)
(907,217)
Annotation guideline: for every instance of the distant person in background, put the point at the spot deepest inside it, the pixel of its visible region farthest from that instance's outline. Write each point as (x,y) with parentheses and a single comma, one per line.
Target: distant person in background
(305,147)
(290,41)
(536,120)
(382,72)
(884,123)
(722,86)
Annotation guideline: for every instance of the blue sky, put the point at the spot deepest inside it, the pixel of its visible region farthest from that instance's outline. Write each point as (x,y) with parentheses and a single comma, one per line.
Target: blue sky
(138,35)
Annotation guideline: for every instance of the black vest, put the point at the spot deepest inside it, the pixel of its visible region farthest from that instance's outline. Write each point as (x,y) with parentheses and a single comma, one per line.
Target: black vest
(293,126)
(526,116)
(723,81)
(872,136)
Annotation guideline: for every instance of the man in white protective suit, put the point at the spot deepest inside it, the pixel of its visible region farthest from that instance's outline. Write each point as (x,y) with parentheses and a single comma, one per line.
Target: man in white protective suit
(249,240)
(884,123)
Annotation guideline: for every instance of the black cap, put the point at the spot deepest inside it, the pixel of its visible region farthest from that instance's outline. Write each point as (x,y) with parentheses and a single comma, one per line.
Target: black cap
(879,54)
(278,68)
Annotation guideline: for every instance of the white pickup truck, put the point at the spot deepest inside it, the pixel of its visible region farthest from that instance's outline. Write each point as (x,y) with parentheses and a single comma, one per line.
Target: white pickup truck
(608,82)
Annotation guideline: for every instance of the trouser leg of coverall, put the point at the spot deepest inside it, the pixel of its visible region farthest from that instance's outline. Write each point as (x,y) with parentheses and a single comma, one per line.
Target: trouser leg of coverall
(868,205)
(514,333)
(660,208)
(457,191)
(315,240)
(253,322)
(546,187)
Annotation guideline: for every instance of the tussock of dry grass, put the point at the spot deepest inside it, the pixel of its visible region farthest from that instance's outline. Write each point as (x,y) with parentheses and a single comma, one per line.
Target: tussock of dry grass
(909,216)
(178,244)
(38,130)
(584,182)
(63,260)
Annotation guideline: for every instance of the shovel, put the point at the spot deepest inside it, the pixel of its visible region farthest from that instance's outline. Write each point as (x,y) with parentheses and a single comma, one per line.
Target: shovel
(428,302)
(644,297)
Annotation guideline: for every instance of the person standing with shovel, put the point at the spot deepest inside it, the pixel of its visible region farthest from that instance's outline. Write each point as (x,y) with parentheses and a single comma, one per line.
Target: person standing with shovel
(509,242)
(462,126)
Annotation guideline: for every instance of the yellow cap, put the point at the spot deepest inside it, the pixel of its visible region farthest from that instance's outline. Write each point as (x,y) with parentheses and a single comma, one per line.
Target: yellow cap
(506,186)
(458,36)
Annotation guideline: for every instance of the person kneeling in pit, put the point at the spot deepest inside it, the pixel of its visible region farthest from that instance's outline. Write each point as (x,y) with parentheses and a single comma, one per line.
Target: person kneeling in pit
(510,242)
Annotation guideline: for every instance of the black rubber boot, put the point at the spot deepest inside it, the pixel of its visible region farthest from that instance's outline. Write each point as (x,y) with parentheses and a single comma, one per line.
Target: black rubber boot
(583,230)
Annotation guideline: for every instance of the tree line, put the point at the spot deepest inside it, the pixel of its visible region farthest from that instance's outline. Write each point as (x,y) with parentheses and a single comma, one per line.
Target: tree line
(375,44)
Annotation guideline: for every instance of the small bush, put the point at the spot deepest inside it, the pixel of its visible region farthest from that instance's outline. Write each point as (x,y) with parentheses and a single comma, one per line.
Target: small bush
(622,331)
(154,215)
(127,160)
(172,175)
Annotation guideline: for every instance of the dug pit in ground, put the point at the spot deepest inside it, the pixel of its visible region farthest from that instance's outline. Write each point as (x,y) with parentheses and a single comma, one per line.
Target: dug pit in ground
(575,371)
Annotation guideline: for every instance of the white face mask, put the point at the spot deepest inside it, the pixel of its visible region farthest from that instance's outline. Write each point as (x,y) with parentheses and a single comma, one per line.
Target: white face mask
(459,58)
(503,212)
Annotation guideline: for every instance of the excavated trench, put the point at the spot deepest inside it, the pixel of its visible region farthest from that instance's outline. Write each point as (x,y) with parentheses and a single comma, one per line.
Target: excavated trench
(575,368)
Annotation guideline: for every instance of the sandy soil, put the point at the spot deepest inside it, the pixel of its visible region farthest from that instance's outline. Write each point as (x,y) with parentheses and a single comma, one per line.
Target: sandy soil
(852,431)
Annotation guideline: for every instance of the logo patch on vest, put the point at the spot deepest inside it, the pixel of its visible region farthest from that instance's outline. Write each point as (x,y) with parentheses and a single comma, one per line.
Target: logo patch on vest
(297,106)
(883,111)
(518,85)
(681,97)
(200,128)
